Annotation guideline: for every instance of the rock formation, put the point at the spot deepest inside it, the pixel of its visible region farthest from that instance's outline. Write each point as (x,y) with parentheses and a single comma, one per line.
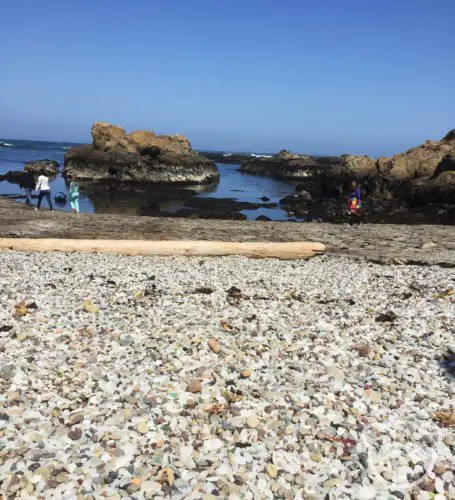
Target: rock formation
(429,169)
(47,167)
(422,178)
(287,165)
(13,177)
(142,156)
(284,165)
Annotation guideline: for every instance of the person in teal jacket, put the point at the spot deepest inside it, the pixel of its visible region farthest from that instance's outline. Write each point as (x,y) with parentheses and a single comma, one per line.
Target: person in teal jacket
(74,196)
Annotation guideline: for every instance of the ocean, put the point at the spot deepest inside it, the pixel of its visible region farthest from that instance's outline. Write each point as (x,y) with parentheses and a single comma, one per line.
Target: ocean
(140,199)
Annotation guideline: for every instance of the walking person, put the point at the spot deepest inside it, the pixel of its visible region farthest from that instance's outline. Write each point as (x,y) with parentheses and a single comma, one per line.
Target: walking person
(354,203)
(74,196)
(355,198)
(44,191)
(28,185)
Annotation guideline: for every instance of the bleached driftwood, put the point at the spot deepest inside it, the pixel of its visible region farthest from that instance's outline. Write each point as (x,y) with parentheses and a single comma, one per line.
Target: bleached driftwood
(288,250)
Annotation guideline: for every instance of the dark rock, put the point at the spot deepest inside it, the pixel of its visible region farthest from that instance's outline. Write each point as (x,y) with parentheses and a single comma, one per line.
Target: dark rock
(264,198)
(284,165)
(387,317)
(304,196)
(14,177)
(46,167)
(219,208)
(233,291)
(4,416)
(291,199)
(210,214)
(229,158)
(204,290)
(75,434)
(141,156)
(226,204)
(300,198)
(263,218)
(6,328)
(111,477)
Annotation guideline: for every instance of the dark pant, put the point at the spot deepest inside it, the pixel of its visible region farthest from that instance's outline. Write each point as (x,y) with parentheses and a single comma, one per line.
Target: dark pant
(46,194)
(28,197)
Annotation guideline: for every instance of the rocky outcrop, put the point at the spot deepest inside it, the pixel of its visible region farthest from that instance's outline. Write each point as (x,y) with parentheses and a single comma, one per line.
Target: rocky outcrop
(420,175)
(142,156)
(422,179)
(46,167)
(284,165)
(13,177)
(291,166)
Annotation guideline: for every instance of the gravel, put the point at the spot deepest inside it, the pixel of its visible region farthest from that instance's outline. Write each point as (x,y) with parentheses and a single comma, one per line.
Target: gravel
(132,377)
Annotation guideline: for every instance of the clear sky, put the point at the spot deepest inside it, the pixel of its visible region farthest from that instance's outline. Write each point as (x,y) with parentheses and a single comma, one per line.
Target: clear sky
(320,76)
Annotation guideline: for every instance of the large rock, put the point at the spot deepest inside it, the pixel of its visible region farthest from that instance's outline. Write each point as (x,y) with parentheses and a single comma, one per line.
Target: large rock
(421,180)
(46,167)
(439,188)
(421,176)
(422,162)
(13,177)
(142,156)
(287,165)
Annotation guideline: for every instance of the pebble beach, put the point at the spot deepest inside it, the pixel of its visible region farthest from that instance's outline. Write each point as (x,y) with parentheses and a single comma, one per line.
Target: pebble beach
(205,378)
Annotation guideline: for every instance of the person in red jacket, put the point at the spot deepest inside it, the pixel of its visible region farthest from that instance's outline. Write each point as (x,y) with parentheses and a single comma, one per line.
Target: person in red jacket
(355,199)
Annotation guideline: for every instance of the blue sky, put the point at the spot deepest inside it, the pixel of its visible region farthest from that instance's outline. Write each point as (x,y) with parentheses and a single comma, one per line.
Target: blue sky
(326,76)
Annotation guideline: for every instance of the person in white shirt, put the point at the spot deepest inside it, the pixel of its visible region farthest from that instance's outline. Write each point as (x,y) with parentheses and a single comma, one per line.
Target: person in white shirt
(44,191)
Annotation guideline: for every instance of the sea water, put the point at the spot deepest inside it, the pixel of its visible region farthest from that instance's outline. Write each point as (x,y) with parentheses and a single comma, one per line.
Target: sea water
(141,199)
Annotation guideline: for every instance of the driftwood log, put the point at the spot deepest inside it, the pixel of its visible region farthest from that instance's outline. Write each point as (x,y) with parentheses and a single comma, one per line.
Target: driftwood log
(291,250)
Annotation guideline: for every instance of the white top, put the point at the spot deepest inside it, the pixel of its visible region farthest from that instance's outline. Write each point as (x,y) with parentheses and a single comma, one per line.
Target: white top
(42,184)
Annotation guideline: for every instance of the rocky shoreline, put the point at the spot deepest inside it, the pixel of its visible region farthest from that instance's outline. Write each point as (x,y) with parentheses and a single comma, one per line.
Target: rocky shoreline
(419,182)
(384,243)
(415,187)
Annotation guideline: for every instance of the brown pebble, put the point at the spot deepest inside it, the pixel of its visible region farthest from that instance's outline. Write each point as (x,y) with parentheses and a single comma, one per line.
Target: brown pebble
(133,488)
(75,434)
(214,345)
(245,373)
(427,485)
(194,385)
(363,350)
(439,469)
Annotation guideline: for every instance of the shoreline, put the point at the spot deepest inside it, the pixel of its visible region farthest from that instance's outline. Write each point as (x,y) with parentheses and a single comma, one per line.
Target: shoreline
(215,377)
(381,243)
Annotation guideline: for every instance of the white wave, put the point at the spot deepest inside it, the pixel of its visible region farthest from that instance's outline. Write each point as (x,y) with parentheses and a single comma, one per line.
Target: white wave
(6,144)
(66,147)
